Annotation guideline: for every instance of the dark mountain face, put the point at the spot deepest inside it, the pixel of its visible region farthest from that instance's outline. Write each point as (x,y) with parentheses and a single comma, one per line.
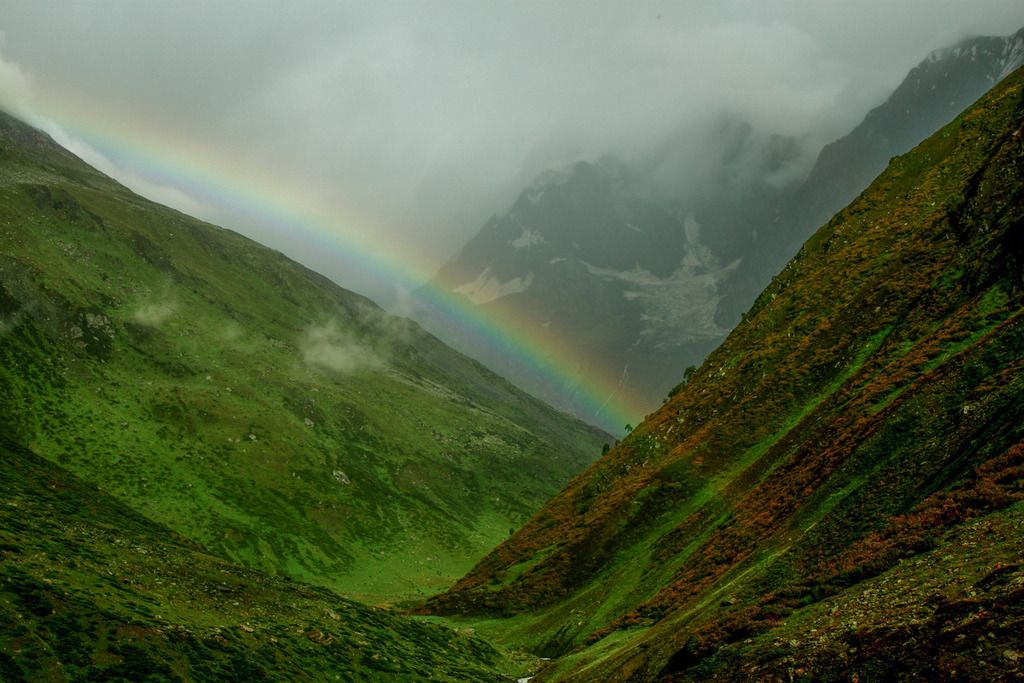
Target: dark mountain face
(933,93)
(247,402)
(646,277)
(582,256)
(839,489)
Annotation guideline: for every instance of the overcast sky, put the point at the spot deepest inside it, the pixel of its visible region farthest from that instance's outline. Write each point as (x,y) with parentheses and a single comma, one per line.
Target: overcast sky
(426,117)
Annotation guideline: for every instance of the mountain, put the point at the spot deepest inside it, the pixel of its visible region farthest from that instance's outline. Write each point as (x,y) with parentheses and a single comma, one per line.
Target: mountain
(92,591)
(248,403)
(648,273)
(934,92)
(565,260)
(837,492)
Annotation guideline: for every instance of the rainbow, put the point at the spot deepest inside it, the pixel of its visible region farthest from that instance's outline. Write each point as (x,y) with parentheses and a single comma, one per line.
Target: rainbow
(214,178)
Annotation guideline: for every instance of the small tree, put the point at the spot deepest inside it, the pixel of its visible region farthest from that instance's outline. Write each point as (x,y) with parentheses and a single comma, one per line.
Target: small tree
(687,374)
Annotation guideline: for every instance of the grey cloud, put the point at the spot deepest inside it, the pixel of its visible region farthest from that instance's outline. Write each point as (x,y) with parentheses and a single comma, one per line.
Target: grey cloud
(328,346)
(429,116)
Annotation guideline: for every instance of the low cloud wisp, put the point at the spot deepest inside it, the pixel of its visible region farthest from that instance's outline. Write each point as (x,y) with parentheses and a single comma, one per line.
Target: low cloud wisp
(329,347)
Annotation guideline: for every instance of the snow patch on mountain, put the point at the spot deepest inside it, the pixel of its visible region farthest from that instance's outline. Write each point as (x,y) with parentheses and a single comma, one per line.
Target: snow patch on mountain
(1013,54)
(676,309)
(527,239)
(546,180)
(697,254)
(679,308)
(485,288)
(1010,54)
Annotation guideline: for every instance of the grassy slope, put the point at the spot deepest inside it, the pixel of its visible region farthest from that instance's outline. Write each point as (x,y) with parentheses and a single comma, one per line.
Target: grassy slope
(252,405)
(875,383)
(90,590)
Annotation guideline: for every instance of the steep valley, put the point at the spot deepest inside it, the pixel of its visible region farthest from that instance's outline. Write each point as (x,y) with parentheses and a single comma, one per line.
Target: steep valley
(215,459)
(654,261)
(837,490)
(247,402)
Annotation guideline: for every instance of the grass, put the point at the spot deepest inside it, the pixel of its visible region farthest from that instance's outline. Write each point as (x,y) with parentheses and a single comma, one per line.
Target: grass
(974,572)
(244,401)
(90,590)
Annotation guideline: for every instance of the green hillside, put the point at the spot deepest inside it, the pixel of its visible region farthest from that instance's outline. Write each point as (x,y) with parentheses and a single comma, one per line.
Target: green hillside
(92,591)
(248,403)
(836,493)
